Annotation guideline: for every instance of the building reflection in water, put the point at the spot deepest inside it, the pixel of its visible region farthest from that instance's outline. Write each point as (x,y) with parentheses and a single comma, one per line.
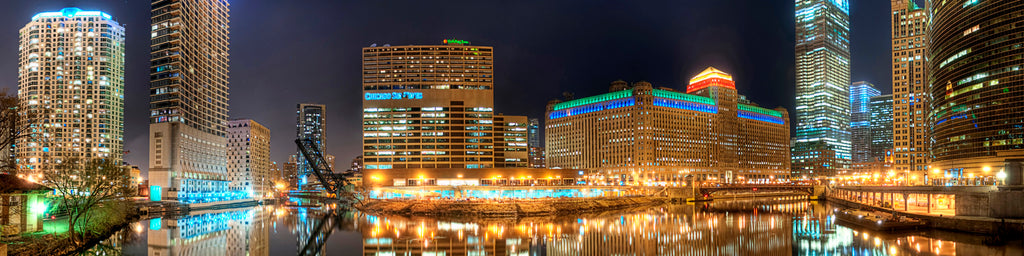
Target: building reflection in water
(221,232)
(718,228)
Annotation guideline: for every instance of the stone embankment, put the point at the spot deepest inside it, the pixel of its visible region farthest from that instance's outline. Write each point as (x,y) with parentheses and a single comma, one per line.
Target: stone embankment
(507,208)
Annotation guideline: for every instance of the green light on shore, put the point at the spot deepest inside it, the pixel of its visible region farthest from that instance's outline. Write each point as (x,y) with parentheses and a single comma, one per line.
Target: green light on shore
(38,207)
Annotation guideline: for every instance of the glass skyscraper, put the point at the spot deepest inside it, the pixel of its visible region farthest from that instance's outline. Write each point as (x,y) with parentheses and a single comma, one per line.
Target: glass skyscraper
(881,126)
(822,88)
(976,73)
(860,119)
(188,101)
(311,123)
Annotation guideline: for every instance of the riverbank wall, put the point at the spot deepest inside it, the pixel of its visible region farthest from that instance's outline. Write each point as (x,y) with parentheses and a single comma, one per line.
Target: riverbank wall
(507,208)
(971,224)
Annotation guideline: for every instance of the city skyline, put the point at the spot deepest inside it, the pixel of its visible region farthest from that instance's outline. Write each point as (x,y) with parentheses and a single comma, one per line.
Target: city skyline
(770,84)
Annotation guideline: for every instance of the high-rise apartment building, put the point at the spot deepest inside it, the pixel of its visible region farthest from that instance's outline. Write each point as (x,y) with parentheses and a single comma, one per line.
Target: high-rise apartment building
(911,101)
(976,75)
(249,165)
(510,135)
(822,88)
(429,106)
(657,136)
(860,119)
(311,123)
(189,100)
(71,68)
(881,127)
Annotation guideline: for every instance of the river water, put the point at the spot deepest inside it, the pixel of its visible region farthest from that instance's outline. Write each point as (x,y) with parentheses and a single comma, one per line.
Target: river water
(745,227)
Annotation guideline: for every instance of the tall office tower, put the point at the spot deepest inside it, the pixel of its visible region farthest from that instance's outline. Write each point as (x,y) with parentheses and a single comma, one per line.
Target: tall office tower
(860,120)
(510,149)
(822,88)
(533,131)
(977,79)
(188,90)
(641,135)
(881,127)
(311,124)
(71,68)
(428,106)
(910,89)
(249,165)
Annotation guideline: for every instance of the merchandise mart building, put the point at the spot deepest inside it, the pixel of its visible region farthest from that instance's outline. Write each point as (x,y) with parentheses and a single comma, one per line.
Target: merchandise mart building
(432,106)
(638,134)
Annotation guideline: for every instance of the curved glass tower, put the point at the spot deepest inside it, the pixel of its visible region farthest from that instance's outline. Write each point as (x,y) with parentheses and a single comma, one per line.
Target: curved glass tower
(977,73)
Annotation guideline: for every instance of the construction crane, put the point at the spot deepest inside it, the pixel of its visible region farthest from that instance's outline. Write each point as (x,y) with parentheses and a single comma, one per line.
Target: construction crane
(331,182)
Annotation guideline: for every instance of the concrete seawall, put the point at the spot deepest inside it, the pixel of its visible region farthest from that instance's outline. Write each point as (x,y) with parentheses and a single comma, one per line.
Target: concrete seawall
(508,208)
(972,224)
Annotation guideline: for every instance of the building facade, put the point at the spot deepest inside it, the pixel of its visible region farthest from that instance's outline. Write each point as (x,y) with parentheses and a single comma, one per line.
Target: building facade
(911,100)
(430,106)
(189,100)
(537,157)
(71,71)
(533,131)
(822,87)
(860,120)
(642,135)
(249,165)
(311,123)
(510,142)
(290,172)
(977,81)
(881,127)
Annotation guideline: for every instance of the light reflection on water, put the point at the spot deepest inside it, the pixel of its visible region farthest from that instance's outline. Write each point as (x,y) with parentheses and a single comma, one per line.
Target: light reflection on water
(719,228)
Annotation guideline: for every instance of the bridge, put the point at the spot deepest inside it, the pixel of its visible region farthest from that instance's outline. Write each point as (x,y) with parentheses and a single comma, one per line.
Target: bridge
(808,189)
(703,193)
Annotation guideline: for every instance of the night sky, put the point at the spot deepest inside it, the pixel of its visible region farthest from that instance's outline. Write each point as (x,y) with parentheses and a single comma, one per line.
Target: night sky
(288,52)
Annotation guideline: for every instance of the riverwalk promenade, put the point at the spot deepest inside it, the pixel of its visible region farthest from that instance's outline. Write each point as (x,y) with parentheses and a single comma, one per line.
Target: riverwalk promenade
(976,209)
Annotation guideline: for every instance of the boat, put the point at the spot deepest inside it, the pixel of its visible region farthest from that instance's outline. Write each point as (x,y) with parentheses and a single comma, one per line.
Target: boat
(879,221)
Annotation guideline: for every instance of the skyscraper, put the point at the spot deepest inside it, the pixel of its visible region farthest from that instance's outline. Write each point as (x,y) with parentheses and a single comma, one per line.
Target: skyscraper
(428,106)
(71,67)
(910,89)
(536,151)
(822,87)
(533,133)
(189,99)
(881,127)
(860,119)
(311,124)
(249,165)
(977,79)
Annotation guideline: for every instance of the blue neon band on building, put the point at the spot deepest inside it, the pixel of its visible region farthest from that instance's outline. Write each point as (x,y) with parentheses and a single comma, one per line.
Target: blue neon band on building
(639,135)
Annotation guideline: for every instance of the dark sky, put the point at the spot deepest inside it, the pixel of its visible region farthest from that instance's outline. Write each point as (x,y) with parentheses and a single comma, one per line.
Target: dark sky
(287,52)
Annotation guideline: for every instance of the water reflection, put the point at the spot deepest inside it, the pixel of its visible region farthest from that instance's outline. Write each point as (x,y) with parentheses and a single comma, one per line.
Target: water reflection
(720,228)
(222,232)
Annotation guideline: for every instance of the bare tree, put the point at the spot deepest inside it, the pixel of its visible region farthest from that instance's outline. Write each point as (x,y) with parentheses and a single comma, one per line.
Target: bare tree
(95,193)
(15,123)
